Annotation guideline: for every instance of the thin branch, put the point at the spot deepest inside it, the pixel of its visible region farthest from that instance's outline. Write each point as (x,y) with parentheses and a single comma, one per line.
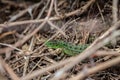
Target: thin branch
(21,13)
(9,70)
(97,68)
(8,45)
(115,11)
(50,23)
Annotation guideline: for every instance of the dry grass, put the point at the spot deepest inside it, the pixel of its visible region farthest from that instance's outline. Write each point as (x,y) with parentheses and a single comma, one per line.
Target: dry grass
(24,56)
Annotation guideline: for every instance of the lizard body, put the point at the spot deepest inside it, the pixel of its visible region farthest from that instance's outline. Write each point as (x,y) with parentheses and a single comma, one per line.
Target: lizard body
(68,48)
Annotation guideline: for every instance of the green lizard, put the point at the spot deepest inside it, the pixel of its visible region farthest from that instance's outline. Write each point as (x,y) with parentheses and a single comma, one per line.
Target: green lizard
(68,48)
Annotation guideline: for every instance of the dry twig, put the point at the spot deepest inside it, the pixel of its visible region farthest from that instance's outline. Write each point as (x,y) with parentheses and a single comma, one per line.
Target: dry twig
(9,70)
